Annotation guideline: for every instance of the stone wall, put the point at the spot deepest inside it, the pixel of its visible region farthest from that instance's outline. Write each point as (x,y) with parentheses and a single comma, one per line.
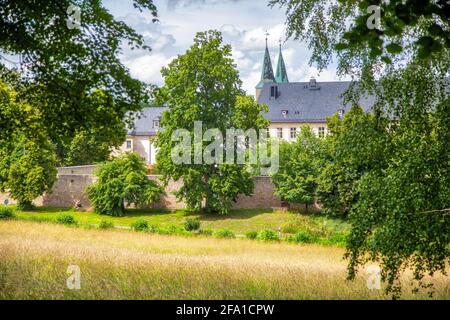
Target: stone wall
(72,182)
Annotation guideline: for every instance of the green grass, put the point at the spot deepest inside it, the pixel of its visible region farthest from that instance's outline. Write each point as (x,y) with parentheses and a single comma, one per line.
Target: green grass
(119,264)
(325,230)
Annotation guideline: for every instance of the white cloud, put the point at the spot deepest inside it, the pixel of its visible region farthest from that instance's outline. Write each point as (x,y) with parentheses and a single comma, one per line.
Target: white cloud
(243,25)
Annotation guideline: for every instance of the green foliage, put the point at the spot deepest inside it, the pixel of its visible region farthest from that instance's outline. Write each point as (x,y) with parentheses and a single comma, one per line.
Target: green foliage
(203,85)
(6,212)
(171,230)
(295,182)
(192,224)
(268,235)
(122,180)
(206,232)
(251,234)
(66,219)
(397,169)
(89,147)
(303,237)
(405,28)
(27,160)
(340,170)
(62,69)
(140,225)
(224,233)
(104,224)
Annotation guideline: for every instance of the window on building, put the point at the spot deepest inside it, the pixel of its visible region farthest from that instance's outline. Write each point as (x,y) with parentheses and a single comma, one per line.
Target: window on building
(268,133)
(273,92)
(321,132)
(293,133)
(129,144)
(280,132)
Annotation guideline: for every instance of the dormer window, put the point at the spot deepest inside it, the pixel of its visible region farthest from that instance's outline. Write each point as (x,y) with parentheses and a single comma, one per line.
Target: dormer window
(341,113)
(284,113)
(273,92)
(313,84)
(156,123)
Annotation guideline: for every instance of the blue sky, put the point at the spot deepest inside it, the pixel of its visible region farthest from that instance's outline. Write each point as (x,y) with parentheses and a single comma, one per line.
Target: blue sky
(243,23)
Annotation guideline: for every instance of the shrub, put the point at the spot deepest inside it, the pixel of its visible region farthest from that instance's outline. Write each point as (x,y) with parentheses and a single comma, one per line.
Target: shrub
(66,219)
(224,233)
(122,180)
(192,224)
(303,237)
(140,225)
(171,230)
(268,235)
(206,232)
(106,224)
(6,213)
(252,234)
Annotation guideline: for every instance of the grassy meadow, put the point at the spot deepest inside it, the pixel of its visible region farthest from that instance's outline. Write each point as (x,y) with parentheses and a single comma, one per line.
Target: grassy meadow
(325,230)
(119,264)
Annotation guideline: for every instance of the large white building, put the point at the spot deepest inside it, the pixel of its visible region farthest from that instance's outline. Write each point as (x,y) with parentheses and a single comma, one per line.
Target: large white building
(291,106)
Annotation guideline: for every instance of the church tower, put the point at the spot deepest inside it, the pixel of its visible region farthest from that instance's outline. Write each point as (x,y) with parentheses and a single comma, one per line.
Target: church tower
(266,72)
(281,74)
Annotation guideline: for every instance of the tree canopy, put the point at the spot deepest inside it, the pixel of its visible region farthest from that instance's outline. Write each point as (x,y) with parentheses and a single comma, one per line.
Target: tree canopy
(73,75)
(203,86)
(400,216)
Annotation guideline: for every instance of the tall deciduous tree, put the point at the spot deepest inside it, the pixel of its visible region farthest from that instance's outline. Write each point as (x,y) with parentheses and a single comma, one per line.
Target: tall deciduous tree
(296,180)
(27,157)
(203,85)
(62,64)
(401,217)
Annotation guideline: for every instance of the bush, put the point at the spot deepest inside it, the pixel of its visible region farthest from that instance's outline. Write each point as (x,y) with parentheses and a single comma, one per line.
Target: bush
(192,224)
(6,213)
(170,230)
(252,234)
(66,219)
(206,232)
(140,225)
(122,180)
(303,237)
(268,235)
(224,233)
(106,224)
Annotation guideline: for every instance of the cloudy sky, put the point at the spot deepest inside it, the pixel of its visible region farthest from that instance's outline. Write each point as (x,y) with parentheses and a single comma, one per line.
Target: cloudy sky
(243,23)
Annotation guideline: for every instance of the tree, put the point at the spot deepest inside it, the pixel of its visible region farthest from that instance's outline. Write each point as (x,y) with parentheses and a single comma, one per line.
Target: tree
(203,85)
(400,218)
(296,180)
(122,180)
(342,167)
(27,157)
(61,67)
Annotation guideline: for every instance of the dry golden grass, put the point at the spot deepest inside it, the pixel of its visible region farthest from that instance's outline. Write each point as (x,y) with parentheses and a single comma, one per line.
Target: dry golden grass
(126,265)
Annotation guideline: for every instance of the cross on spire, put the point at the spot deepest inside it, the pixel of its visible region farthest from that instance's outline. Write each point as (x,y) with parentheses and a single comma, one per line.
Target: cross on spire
(267,34)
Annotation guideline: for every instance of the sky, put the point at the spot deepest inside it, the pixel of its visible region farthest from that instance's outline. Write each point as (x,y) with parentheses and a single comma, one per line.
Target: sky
(242,22)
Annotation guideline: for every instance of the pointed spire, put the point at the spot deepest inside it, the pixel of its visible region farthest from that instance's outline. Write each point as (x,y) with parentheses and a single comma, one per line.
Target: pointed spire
(267,70)
(281,74)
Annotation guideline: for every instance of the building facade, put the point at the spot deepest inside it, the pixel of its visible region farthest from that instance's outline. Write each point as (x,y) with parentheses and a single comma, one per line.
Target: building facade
(292,105)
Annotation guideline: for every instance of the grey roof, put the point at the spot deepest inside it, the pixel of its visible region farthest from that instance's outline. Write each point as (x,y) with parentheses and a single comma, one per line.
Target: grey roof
(144,125)
(304,103)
